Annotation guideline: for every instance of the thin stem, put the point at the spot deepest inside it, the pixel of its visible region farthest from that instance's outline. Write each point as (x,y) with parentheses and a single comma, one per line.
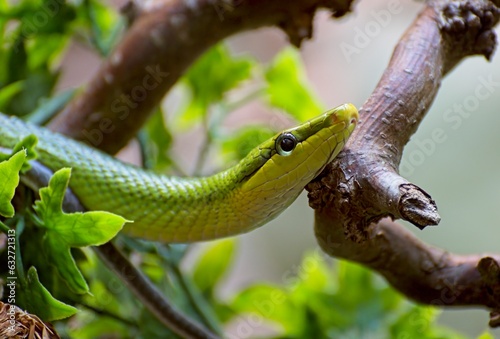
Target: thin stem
(109,314)
(149,294)
(194,299)
(4,228)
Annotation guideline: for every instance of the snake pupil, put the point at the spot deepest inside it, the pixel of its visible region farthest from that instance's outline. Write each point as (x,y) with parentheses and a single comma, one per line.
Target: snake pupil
(287,144)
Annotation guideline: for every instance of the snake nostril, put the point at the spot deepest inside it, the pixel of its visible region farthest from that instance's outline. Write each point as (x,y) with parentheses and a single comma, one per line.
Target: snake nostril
(353,121)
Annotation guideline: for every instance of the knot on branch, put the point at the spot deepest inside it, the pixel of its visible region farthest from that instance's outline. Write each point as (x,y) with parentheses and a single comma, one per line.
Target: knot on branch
(470,24)
(363,187)
(298,26)
(339,8)
(417,206)
(338,189)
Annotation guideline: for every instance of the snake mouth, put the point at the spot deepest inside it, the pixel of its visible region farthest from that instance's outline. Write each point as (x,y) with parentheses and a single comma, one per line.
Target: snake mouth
(344,113)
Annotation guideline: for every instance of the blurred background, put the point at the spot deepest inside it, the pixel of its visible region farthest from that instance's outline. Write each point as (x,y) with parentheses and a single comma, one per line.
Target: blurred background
(461,173)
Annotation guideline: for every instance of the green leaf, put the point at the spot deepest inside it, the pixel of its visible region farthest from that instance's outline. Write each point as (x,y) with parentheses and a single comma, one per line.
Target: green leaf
(38,300)
(486,335)
(419,322)
(28,144)
(44,50)
(59,255)
(64,231)
(17,62)
(414,324)
(288,88)
(210,78)
(36,85)
(56,18)
(106,25)
(9,177)
(8,92)
(315,273)
(99,327)
(75,229)
(271,303)
(158,143)
(213,264)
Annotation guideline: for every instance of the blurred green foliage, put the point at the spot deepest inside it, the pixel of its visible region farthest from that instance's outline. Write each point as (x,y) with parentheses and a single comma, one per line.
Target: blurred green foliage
(58,279)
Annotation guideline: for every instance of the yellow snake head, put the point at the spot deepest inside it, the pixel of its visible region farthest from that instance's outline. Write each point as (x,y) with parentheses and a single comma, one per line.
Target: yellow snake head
(276,171)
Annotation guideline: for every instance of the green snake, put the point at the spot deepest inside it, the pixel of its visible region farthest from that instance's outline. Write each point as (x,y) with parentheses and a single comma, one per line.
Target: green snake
(175,209)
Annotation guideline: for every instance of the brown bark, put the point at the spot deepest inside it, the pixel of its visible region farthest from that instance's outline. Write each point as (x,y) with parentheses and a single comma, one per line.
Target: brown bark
(362,185)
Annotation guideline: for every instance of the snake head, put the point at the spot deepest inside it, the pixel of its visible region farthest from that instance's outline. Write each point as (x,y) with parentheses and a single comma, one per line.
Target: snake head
(277,170)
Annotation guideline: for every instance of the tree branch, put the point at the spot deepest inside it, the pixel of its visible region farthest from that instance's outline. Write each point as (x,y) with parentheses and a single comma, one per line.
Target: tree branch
(362,185)
(165,38)
(423,273)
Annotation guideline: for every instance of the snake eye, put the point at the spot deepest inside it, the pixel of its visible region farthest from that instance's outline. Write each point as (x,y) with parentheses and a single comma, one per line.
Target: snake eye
(285,144)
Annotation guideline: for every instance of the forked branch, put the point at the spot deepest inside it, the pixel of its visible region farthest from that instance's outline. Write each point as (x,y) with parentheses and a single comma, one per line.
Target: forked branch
(362,185)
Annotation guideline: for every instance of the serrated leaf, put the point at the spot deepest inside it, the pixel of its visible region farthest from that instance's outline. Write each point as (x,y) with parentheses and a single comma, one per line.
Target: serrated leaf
(28,144)
(37,300)
(75,229)
(288,88)
(9,177)
(213,264)
(64,231)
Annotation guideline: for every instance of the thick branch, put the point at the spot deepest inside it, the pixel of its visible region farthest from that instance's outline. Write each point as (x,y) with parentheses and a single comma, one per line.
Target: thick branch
(363,186)
(426,274)
(165,38)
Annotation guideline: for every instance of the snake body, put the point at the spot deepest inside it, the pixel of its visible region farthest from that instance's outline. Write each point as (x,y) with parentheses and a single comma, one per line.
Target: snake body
(174,209)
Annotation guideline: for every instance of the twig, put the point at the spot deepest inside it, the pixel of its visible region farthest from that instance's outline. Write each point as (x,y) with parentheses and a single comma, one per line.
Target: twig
(152,299)
(109,314)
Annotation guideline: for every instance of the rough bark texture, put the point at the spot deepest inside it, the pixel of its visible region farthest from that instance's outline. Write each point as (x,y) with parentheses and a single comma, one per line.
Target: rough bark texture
(362,187)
